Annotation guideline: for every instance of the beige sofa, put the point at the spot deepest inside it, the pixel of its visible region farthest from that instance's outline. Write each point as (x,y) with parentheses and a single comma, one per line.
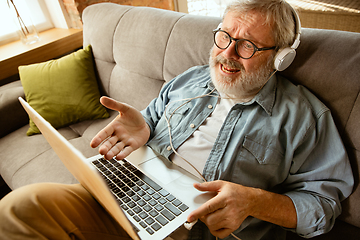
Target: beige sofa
(138,49)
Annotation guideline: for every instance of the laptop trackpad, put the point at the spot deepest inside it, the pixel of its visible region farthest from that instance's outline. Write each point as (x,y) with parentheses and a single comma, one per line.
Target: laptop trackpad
(164,171)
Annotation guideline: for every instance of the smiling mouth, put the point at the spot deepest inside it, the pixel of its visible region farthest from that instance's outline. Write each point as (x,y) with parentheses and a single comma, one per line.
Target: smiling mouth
(229,70)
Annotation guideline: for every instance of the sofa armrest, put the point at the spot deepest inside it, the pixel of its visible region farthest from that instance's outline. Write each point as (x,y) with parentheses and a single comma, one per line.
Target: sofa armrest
(12,114)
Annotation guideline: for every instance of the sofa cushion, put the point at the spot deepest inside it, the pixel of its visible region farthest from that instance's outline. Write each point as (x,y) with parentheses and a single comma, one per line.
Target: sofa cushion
(63,91)
(30,160)
(12,114)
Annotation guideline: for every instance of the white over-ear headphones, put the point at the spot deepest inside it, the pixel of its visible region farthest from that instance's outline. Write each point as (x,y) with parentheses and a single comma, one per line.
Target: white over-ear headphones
(285,56)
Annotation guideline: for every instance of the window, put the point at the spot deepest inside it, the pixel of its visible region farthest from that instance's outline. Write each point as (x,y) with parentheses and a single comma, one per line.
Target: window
(37,10)
(213,8)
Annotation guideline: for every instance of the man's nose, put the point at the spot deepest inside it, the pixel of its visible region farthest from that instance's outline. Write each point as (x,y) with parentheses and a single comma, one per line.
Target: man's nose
(230,51)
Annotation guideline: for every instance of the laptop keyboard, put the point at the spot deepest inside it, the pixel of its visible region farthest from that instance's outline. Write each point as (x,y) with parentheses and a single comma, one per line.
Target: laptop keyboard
(144,200)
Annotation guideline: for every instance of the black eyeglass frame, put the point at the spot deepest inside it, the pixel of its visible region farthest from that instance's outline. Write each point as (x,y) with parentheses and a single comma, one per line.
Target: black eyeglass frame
(256,49)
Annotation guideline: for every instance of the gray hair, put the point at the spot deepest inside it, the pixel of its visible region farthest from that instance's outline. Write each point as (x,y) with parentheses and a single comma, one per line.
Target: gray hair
(277,13)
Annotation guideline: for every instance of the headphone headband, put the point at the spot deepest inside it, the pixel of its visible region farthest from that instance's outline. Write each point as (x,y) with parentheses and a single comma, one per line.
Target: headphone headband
(296,43)
(285,56)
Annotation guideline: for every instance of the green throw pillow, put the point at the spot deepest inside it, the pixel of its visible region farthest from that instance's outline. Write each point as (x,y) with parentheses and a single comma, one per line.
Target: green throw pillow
(63,91)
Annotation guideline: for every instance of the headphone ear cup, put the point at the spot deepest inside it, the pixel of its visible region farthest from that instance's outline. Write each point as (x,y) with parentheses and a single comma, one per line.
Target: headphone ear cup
(284,58)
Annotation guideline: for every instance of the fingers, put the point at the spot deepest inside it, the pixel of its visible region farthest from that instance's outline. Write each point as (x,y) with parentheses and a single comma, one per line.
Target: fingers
(102,136)
(210,206)
(124,152)
(113,104)
(222,232)
(218,222)
(119,150)
(213,186)
(223,213)
(219,228)
(111,147)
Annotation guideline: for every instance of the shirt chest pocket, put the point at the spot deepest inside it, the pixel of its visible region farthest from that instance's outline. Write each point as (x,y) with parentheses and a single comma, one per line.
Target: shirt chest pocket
(176,112)
(262,154)
(257,165)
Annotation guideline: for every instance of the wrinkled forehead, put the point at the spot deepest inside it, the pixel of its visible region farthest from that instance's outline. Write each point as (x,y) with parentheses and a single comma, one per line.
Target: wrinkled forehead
(251,24)
(250,17)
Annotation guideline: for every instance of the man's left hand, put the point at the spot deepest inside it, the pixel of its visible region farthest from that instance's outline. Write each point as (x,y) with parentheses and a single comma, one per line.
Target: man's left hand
(225,212)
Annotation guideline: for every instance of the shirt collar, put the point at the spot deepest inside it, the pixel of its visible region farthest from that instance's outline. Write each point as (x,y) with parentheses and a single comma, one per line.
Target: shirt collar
(265,98)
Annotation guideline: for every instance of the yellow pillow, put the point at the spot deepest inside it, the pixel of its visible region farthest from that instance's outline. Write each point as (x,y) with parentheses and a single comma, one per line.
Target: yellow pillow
(63,91)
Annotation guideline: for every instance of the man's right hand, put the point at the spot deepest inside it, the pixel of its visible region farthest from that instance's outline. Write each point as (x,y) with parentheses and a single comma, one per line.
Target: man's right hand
(126,133)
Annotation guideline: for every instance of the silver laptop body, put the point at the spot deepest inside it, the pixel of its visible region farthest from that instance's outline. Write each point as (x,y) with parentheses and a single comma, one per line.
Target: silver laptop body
(160,186)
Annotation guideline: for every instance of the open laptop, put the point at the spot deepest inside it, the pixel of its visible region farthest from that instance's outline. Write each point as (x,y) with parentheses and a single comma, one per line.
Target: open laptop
(146,194)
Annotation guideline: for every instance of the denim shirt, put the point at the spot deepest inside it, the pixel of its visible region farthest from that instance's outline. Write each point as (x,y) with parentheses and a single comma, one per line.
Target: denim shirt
(284,141)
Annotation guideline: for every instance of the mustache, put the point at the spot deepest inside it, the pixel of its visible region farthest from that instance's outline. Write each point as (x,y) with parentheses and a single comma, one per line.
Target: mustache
(228,62)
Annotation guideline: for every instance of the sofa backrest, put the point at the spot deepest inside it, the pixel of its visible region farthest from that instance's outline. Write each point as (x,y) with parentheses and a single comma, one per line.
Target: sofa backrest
(138,49)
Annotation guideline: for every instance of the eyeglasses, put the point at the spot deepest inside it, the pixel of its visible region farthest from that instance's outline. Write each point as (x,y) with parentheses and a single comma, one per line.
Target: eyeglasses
(243,47)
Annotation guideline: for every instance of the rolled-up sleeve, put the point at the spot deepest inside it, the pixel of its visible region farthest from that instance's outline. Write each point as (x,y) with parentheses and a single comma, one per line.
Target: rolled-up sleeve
(320,177)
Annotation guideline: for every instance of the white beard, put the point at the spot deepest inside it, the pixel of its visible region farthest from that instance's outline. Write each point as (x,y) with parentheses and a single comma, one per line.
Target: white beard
(245,84)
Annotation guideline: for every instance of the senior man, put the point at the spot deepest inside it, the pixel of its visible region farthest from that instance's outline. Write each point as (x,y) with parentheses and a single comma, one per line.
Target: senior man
(268,148)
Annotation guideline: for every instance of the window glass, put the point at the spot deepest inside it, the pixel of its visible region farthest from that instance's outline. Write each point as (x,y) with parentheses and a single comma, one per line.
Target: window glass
(213,8)
(35,9)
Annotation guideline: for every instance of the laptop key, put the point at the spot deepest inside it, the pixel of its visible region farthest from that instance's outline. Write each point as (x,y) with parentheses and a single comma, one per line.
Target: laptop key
(183,207)
(96,162)
(137,218)
(163,192)
(147,208)
(162,201)
(150,191)
(137,209)
(126,199)
(161,220)
(156,226)
(131,204)
(131,213)
(153,213)
(170,198)
(152,202)
(167,214)
(159,207)
(149,181)
(145,187)
(143,215)
(130,193)
(173,209)
(141,202)
(141,192)
(112,161)
(124,207)
(135,188)
(150,231)
(177,202)
(121,194)
(149,221)
(146,197)
(136,198)
(120,184)
(156,195)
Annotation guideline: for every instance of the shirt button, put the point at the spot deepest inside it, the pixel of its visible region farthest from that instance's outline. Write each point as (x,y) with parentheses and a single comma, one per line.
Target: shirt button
(168,148)
(210,106)
(192,125)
